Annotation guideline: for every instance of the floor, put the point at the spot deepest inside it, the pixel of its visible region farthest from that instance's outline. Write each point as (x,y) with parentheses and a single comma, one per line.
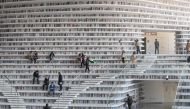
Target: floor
(153,106)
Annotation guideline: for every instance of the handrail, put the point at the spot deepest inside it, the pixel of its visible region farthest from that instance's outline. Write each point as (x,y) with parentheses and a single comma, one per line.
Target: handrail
(91,71)
(9,81)
(109,96)
(122,71)
(180,81)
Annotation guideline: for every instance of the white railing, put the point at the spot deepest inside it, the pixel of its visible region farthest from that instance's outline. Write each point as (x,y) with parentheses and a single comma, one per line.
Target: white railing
(13,93)
(79,77)
(181,80)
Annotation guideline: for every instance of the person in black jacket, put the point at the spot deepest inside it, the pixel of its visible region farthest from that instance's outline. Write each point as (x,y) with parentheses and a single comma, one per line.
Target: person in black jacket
(35,56)
(129,101)
(87,64)
(46,83)
(60,81)
(36,76)
(46,107)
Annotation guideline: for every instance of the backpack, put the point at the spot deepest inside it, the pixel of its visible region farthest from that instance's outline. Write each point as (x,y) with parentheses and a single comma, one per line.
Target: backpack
(36,74)
(129,100)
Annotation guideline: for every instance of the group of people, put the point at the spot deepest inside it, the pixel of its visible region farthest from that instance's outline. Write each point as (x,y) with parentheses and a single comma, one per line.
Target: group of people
(138,50)
(133,58)
(84,60)
(46,86)
(33,56)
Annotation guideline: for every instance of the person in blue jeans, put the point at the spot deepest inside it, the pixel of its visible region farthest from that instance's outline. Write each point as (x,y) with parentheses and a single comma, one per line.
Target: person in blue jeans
(52,88)
(137,45)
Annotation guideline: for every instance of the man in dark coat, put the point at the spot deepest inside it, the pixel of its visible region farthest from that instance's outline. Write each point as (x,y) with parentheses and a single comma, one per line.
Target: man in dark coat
(156,44)
(129,101)
(46,83)
(87,64)
(36,76)
(60,82)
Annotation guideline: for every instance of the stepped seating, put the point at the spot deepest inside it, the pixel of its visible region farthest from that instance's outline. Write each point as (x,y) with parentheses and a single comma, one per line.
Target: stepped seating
(23,80)
(18,76)
(21,77)
(12,96)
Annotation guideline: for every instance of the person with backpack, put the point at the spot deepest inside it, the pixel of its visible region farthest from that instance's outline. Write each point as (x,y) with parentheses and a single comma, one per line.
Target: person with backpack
(46,83)
(60,82)
(36,76)
(46,107)
(129,101)
(52,88)
(51,56)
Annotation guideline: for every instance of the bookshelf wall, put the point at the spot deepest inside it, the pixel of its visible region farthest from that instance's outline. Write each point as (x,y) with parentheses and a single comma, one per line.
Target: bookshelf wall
(93,27)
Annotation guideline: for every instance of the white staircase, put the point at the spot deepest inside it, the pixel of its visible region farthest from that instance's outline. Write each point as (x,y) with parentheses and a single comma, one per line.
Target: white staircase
(12,95)
(182,99)
(66,99)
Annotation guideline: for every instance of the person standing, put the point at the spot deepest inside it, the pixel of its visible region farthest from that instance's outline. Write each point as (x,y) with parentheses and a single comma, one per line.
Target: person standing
(156,44)
(80,59)
(60,81)
(133,60)
(137,45)
(83,59)
(129,101)
(122,56)
(35,56)
(46,107)
(36,76)
(87,64)
(188,47)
